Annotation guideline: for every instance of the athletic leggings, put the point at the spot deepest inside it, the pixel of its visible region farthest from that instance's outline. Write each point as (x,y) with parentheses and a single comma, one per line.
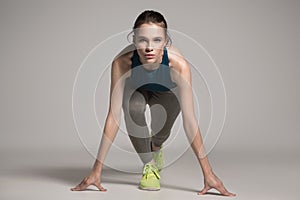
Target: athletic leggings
(164,109)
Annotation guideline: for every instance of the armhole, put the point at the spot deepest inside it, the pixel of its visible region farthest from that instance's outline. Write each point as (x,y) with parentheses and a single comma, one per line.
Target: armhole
(134,60)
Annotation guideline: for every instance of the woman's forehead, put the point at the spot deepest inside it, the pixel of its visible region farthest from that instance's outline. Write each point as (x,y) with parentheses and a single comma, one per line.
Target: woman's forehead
(150,32)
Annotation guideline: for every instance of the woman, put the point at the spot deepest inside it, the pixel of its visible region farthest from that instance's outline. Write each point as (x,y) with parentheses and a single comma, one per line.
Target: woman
(151,71)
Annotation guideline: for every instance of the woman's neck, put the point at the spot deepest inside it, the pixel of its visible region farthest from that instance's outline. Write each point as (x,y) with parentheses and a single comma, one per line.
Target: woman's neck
(151,66)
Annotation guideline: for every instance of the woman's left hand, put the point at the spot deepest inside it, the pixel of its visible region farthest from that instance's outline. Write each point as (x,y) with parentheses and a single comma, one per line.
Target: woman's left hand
(212,181)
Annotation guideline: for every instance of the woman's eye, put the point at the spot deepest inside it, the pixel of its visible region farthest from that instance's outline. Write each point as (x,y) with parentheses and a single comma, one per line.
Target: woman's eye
(142,40)
(157,40)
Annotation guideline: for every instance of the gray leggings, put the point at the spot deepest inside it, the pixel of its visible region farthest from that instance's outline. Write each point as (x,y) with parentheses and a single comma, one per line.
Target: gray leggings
(163,117)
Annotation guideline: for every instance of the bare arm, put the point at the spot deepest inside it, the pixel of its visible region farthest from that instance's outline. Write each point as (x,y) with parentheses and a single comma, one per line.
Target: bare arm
(184,82)
(112,122)
(190,125)
(111,126)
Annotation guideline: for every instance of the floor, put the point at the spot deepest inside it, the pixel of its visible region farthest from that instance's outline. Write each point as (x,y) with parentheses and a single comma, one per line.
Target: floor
(48,174)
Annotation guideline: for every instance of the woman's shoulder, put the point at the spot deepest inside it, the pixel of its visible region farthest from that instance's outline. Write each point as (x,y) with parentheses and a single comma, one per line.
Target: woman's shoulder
(176,59)
(123,58)
(125,54)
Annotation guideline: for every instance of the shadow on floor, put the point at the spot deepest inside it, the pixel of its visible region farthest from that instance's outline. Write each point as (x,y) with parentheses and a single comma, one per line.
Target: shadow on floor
(74,175)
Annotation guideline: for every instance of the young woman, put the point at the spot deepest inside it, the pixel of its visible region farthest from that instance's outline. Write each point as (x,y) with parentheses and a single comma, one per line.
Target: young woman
(151,71)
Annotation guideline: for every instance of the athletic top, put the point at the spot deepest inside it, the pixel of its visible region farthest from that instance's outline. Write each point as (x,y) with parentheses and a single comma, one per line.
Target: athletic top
(153,80)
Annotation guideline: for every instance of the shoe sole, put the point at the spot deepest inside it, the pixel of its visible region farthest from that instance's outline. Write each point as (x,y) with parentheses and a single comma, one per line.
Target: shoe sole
(149,188)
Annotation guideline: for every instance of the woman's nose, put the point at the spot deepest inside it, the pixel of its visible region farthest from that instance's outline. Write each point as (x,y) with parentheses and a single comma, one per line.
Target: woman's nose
(149,47)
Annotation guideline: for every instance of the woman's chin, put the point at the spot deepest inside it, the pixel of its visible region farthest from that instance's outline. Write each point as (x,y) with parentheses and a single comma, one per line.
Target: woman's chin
(150,61)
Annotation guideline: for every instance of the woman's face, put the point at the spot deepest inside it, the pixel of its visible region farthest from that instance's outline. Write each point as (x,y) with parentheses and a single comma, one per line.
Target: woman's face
(150,41)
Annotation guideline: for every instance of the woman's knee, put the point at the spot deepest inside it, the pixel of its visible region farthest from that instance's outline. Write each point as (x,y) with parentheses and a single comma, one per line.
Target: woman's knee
(134,107)
(137,102)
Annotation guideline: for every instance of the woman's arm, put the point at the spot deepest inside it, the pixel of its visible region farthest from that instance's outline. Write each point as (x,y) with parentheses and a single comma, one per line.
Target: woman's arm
(112,122)
(184,82)
(111,126)
(189,120)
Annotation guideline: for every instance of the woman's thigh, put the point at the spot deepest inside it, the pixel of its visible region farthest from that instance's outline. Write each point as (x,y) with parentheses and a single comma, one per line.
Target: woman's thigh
(164,108)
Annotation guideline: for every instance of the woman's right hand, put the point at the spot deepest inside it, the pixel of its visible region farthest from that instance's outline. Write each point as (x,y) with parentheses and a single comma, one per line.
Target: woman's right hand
(92,179)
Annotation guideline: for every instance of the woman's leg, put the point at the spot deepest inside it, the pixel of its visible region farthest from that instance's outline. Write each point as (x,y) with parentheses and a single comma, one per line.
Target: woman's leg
(163,116)
(134,106)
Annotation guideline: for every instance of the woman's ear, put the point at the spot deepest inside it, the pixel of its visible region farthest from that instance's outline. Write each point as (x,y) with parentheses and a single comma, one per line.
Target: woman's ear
(167,40)
(133,41)
(166,43)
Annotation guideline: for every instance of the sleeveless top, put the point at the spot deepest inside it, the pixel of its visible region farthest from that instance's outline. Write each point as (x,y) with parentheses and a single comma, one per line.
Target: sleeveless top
(155,80)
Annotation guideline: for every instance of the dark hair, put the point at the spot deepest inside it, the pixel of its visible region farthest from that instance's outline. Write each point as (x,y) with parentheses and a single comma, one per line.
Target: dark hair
(151,16)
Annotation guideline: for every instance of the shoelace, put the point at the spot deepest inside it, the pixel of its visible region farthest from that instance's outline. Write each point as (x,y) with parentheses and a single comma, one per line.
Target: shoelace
(148,169)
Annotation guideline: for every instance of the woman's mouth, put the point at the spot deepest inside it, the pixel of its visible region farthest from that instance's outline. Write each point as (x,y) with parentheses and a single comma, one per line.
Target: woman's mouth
(150,55)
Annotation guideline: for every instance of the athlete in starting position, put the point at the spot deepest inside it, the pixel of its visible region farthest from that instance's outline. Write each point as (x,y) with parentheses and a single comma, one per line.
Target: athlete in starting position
(151,71)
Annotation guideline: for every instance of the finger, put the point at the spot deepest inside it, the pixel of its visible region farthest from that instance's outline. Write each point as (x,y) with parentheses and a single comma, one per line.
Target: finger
(204,190)
(231,194)
(82,186)
(224,192)
(228,194)
(100,188)
(74,188)
(83,182)
(79,188)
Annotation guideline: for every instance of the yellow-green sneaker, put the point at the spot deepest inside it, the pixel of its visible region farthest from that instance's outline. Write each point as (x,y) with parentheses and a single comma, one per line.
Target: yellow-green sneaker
(158,157)
(150,179)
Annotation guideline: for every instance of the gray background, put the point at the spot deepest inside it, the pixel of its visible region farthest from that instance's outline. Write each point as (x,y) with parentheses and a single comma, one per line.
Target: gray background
(255,44)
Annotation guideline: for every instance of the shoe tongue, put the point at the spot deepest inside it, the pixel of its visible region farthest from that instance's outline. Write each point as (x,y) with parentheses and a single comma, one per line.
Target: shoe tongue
(147,169)
(150,169)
